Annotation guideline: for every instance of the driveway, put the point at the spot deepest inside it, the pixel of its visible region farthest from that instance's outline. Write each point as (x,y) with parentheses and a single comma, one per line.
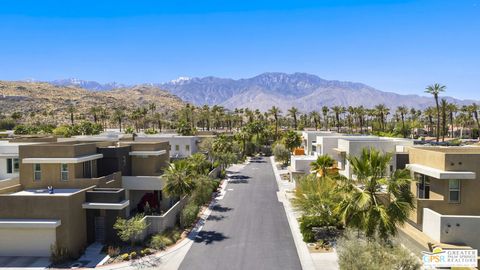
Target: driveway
(10,262)
(248,228)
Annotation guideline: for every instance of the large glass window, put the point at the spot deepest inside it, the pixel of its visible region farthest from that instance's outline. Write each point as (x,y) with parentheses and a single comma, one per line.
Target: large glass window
(37,172)
(454,190)
(423,186)
(64,172)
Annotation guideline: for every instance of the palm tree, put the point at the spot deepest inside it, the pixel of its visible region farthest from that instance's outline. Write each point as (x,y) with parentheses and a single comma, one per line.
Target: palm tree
(474,109)
(118,116)
(365,208)
(152,107)
(338,110)
(435,90)
(444,108)
(315,117)
(325,110)
(275,112)
(94,111)
(402,110)
(429,112)
(71,110)
(178,179)
(321,165)
(292,112)
(452,109)
(381,111)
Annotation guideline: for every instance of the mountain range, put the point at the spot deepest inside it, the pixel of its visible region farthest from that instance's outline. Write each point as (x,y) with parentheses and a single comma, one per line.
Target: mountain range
(305,91)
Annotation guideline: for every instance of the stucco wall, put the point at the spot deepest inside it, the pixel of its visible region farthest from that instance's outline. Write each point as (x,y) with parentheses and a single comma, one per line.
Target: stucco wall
(158,224)
(71,233)
(452,229)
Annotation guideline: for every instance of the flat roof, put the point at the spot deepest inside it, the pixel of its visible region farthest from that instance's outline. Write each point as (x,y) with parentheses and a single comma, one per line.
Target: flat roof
(67,160)
(44,192)
(451,149)
(440,174)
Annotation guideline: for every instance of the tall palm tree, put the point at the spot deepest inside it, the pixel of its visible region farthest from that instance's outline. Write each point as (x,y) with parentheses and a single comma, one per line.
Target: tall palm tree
(443,109)
(381,111)
(325,110)
(152,107)
(402,110)
(71,110)
(315,117)
(118,116)
(338,110)
(429,112)
(452,109)
(275,112)
(474,109)
(292,112)
(94,112)
(435,90)
(365,208)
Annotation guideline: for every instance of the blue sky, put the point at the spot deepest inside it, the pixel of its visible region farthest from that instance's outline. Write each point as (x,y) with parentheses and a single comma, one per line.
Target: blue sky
(399,45)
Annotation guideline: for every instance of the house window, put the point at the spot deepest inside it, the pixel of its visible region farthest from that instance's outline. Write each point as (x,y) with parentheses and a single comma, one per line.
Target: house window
(9,165)
(16,165)
(187,147)
(177,147)
(64,172)
(12,165)
(454,190)
(423,186)
(37,172)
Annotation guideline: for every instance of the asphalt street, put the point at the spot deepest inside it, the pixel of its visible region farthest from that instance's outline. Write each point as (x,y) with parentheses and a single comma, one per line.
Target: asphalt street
(247,229)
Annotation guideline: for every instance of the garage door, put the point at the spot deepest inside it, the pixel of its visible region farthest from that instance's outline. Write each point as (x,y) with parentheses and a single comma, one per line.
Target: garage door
(25,240)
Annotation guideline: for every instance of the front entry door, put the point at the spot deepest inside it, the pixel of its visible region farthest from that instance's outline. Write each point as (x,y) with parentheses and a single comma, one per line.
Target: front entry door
(100,229)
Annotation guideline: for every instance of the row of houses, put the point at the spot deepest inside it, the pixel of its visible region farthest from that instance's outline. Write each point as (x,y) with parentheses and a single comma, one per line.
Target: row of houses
(68,192)
(445,186)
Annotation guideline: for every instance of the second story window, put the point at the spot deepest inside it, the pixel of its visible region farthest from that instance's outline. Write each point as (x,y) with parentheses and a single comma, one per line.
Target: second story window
(187,147)
(454,190)
(64,172)
(177,147)
(37,172)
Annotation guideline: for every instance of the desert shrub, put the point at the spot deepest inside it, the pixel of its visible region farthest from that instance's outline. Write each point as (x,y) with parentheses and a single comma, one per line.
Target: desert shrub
(150,131)
(59,254)
(125,257)
(189,214)
(281,153)
(7,124)
(129,130)
(160,242)
(130,229)
(133,255)
(203,190)
(356,252)
(146,252)
(174,234)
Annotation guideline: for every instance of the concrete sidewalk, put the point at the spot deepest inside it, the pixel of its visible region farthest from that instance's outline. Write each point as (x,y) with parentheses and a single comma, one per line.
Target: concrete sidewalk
(309,261)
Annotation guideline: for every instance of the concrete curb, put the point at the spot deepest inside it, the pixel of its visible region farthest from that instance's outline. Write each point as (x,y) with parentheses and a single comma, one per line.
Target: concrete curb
(304,255)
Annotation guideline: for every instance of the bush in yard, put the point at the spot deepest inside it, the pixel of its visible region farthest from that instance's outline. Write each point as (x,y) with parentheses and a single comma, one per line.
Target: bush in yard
(281,153)
(125,257)
(133,255)
(356,252)
(174,234)
(160,242)
(130,229)
(189,214)
(203,190)
(59,254)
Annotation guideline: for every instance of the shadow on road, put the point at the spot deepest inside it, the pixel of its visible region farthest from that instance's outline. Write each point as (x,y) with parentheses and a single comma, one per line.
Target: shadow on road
(238,179)
(219,208)
(215,217)
(209,237)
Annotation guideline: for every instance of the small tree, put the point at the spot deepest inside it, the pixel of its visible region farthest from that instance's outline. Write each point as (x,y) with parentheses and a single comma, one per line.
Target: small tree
(130,229)
(291,139)
(281,153)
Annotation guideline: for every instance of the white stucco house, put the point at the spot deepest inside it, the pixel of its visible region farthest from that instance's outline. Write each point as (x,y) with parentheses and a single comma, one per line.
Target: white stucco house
(180,146)
(309,140)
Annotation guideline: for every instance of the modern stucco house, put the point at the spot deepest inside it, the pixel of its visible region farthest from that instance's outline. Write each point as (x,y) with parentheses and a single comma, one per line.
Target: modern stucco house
(447,181)
(180,146)
(309,140)
(70,193)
